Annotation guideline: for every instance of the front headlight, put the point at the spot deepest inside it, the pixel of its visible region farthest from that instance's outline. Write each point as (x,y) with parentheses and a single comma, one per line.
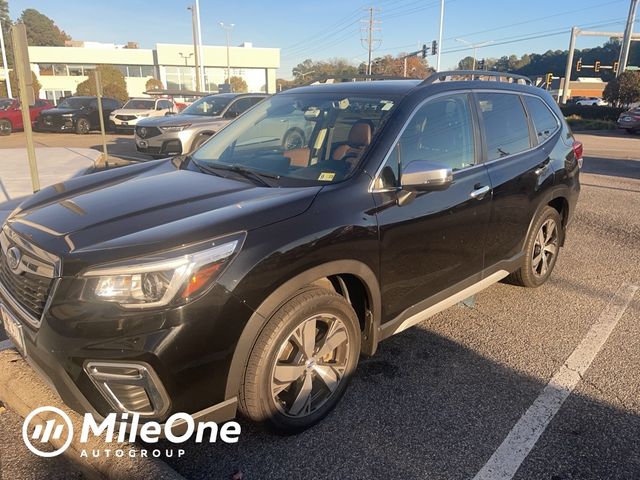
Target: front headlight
(173,277)
(175,128)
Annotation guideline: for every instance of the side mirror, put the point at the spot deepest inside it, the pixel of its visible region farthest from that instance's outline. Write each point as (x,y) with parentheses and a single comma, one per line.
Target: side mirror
(423,176)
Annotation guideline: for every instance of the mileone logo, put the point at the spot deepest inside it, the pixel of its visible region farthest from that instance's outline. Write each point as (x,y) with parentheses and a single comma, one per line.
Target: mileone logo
(45,424)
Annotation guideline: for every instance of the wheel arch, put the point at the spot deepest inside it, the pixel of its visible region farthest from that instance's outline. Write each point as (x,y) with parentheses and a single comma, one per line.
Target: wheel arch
(203,134)
(557,199)
(341,274)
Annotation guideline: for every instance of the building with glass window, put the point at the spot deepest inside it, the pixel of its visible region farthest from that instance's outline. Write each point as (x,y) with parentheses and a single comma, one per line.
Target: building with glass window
(61,69)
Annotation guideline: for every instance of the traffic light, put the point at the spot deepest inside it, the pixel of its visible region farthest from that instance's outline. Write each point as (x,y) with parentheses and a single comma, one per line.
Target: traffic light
(424,50)
(596,66)
(481,64)
(549,78)
(615,67)
(579,65)
(434,47)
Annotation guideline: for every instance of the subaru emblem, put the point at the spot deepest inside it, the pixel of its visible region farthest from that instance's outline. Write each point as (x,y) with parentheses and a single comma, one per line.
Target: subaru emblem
(13,258)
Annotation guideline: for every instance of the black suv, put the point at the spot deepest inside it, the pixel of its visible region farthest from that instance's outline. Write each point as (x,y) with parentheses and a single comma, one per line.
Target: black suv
(251,277)
(76,114)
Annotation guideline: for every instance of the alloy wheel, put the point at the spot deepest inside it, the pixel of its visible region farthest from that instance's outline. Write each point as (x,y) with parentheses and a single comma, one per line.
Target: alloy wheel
(545,248)
(310,365)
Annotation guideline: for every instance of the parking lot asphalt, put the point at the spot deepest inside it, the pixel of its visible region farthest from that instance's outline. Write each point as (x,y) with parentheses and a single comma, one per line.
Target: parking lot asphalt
(438,400)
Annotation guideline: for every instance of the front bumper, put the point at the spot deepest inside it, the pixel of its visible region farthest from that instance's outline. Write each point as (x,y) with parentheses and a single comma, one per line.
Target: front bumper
(633,125)
(56,125)
(165,143)
(189,350)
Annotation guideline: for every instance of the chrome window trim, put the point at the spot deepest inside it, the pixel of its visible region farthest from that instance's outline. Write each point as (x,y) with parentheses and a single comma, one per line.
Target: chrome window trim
(372,188)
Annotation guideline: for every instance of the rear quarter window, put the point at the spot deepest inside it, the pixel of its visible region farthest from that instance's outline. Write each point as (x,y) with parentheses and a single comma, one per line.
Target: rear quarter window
(505,124)
(544,121)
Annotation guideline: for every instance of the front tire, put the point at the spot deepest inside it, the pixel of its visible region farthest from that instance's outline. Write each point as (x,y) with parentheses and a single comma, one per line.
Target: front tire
(541,250)
(5,127)
(82,126)
(302,361)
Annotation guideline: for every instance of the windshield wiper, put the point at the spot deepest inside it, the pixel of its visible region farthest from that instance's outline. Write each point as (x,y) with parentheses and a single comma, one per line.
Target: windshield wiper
(257,177)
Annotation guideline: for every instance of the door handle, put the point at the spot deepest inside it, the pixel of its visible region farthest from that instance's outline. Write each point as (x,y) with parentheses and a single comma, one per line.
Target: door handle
(542,168)
(479,193)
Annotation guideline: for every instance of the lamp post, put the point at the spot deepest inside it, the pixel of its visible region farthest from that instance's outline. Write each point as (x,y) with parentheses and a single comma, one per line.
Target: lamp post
(475,47)
(194,29)
(227,28)
(185,57)
(4,63)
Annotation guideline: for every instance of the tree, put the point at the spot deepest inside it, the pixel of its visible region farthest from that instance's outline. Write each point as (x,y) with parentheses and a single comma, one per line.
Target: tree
(466,63)
(153,84)
(15,89)
(389,65)
(5,20)
(309,69)
(41,30)
(624,90)
(283,84)
(112,80)
(238,85)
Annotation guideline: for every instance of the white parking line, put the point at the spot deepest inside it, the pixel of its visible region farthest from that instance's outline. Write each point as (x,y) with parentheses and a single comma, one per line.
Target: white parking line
(4,344)
(506,460)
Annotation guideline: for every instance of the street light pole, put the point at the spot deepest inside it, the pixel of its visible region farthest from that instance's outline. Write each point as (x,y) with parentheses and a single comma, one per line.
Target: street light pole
(626,41)
(227,28)
(200,56)
(474,47)
(440,35)
(4,63)
(185,57)
(194,29)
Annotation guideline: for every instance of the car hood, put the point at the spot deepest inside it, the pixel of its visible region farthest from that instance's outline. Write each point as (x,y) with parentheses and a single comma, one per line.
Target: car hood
(137,210)
(61,111)
(132,111)
(180,119)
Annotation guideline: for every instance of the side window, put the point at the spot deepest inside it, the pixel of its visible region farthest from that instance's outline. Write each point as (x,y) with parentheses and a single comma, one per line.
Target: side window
(505,124)
(544,121)
(255,100)
(165,104)
(239,107)
(440,132)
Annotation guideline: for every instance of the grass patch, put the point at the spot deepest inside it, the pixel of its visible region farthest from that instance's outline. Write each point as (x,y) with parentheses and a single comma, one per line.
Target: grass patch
(576,122)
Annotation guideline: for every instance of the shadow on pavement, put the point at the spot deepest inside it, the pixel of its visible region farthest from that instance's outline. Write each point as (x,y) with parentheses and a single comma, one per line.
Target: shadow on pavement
(612,167)
(426,407)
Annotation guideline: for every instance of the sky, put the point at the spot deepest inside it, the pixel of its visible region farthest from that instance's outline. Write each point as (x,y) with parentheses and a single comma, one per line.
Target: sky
(321,29)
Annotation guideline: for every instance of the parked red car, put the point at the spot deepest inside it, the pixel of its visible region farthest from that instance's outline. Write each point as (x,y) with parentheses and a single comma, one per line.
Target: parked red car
(11,115)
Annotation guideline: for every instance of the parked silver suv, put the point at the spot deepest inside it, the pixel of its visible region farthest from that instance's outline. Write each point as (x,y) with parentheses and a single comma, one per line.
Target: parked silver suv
(176,134)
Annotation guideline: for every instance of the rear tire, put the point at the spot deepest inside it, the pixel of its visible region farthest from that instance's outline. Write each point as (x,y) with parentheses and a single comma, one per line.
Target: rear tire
(541,250)
(302,361)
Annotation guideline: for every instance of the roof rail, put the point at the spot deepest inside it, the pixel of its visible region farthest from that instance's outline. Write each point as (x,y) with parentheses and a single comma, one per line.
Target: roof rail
(353,78)
(456,75)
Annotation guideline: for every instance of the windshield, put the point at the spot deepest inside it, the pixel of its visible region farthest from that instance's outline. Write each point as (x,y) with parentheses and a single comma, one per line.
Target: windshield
(303,139)
(140,105)
(209,106)
(5,103)
(74,103)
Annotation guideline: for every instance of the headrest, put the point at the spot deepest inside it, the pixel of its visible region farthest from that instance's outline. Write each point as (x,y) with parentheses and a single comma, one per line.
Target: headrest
(360,134)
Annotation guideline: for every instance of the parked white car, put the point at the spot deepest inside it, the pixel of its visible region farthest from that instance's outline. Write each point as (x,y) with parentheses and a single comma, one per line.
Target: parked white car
(595,101)
(135,109)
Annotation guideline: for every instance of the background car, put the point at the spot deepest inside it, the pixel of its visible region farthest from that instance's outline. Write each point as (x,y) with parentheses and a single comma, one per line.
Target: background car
(177,134)
(594,101)
(77,114)
(630,120)
(126,118)
(11,114)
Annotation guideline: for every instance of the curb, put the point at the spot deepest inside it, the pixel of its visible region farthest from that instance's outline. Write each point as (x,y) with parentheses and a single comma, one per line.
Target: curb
(22,390)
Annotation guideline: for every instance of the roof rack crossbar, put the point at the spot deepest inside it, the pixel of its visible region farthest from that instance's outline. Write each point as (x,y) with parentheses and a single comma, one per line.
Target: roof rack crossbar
(476,75)
(352,78)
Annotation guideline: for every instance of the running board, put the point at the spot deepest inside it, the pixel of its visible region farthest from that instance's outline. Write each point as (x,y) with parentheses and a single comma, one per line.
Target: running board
(395,327)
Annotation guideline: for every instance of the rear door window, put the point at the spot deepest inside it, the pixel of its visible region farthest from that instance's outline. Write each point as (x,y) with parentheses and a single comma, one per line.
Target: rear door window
(544,121)
(505,124)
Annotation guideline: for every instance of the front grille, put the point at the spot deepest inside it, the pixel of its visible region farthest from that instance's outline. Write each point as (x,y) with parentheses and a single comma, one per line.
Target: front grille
(147,132)
(29,290)
(126,118)
(52,121)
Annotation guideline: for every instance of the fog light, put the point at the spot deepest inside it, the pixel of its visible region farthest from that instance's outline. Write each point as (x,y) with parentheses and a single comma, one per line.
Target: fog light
(129,387)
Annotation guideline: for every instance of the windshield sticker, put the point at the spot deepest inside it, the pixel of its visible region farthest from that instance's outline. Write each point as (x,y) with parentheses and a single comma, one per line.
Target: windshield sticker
(326,176)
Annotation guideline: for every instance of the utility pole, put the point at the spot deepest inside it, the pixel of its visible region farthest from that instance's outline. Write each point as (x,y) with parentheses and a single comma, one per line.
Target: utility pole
(194,29)
(370,39)
(567,72)
(475,47)
(440,35)
(4,63)
(227,28)
(626,41)
(200,56)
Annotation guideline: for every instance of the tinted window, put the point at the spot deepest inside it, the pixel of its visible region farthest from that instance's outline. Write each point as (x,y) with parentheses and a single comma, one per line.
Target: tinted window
(440,132)
(544,121)
(165,104)
(240,106)
(505,124)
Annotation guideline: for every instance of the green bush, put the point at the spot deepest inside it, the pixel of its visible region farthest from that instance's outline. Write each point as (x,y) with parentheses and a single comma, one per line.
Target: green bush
(577,124)
(590,112)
